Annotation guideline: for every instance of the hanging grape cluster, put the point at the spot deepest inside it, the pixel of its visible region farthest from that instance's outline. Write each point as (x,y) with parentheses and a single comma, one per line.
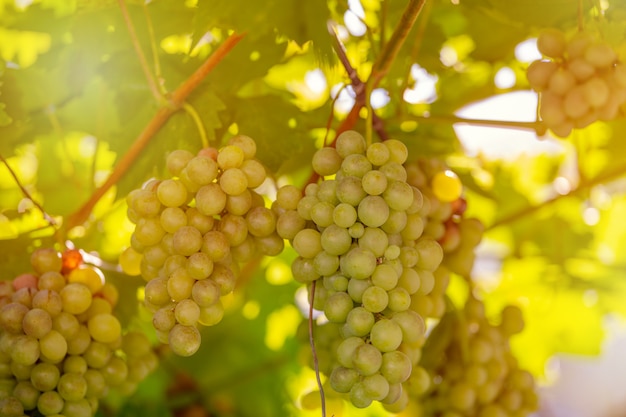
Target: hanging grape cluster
(359,237)
(61,346)
(580,82)
(192,232)
(472,371)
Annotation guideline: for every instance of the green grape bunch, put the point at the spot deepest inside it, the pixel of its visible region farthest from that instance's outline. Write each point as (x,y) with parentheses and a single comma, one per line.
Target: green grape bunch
(582,80)
(62,349)
(359,237)
(192,232)
(472,369)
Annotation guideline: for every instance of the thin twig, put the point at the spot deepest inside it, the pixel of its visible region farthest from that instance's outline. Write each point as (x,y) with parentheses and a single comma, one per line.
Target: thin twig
(163,114)
(191,111)
(331,115)
(155,54)
(605,177)
(46,216)
(388,54)
(480,122)
(358,86)
(142,58)
(314,352)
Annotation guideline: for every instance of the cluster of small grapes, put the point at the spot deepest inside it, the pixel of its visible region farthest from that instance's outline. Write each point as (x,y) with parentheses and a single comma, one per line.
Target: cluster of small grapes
(191,233)
(473,372)
(458,235)
(580,82)
(358,233)
(61,347)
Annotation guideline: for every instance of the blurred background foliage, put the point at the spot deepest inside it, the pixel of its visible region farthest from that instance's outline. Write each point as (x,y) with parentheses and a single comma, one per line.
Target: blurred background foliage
(73,98)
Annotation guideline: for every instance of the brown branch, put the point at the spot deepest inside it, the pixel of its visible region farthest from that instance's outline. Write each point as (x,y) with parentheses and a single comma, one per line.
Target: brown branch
(163,114)
(605,177)
(142,58)
(46,216)
(390,51)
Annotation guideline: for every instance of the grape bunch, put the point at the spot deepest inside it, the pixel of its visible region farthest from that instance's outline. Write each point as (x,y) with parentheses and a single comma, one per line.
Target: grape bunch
(580,81)
(61,346)
(472,370)
(192,231)
(359,237)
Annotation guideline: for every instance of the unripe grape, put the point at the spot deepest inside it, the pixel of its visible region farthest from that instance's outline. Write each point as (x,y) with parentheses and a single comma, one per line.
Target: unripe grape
(552,43)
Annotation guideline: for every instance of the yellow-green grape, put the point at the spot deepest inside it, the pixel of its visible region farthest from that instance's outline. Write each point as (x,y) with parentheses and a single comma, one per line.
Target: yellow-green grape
(447,186)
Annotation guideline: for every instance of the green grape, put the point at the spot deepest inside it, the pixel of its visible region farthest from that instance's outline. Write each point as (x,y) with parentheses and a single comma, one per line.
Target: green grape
(254,171)
(356,288)
(114,373)
(359,397)
(12,316)
(350,190)
(261,222)
(411,324)
(74,363)
(50,403)
(356,165)
(79,408)
(378,153)
(172,219)
(25,350)
(386,335)
(307,243)
(96,385)
(375,386)
(322,213)
(245,143)
(234,228)
(187,312)
(338,306)
(346,351)
(46,260)
(45,376)
(551,43)
(289,224)
(375,299)
(335,240)
(367,359)
(326,161)
(26,394)
(171,193)
(72,387)
(326,264)
(201,170)
(230,156)
(399,299)
(210,199)
(396,367)
(385,277)
(373,211)
(184,340)
(343,379)
(104,328)
(360,321)
(97,354)
(199,265)
(233,181)
(212,314)
(187,240)
(350,142)
(358,263)
(177,160)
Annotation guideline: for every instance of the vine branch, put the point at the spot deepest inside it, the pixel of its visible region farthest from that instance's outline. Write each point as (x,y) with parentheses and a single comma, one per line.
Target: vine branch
(390,51)
(46,216)
(163,114)
(607,176)
(537,126)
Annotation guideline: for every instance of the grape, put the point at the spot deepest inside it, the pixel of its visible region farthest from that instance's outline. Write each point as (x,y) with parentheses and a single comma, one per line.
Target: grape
(552,43)
(184,340)
(104,328)
(367,359)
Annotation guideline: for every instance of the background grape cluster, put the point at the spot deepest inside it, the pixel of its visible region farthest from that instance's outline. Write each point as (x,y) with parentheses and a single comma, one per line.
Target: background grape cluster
(581,80)
(61,346)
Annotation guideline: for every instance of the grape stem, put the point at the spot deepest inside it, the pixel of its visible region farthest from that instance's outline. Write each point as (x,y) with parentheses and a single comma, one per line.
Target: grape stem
(46,216)
(536,126)
(314,352)
(401,32)
(605,177)
(176,101)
